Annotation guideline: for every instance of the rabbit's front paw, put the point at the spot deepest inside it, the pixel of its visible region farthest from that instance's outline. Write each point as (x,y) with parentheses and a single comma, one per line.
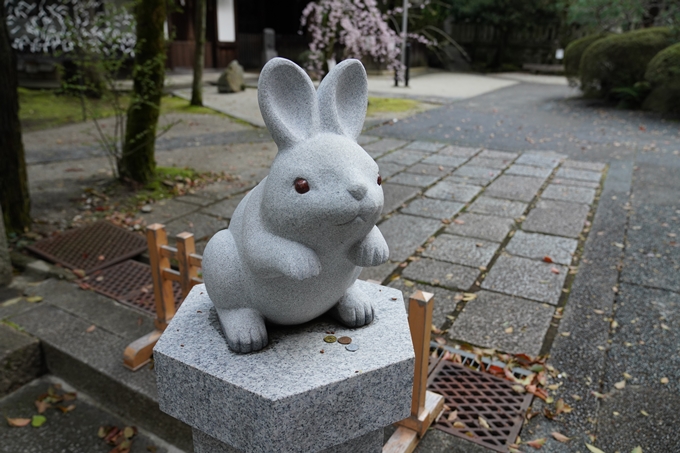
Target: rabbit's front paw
(371,251)
(244,329)
(354,309)
(300,264)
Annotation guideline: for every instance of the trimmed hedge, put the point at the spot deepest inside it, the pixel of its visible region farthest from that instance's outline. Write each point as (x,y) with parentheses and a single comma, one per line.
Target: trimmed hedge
(620,61)
(663,73)
(573,54)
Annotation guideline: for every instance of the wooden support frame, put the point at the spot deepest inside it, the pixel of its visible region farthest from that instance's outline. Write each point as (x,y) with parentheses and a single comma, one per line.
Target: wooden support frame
(425,406)
(139,352)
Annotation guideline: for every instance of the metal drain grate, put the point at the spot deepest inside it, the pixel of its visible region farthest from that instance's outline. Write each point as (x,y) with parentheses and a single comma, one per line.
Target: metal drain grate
(91,247)
(130,283)
(475,394)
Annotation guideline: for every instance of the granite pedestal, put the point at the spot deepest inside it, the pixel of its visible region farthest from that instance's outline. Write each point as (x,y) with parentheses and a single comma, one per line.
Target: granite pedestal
(299,394)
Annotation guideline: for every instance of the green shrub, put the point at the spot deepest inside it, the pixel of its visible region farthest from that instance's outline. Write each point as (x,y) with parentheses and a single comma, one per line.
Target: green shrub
(663,73)
(620,61)
(573,54)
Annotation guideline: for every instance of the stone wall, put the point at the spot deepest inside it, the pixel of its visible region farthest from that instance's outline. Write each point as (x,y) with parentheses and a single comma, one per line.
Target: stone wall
(5,263)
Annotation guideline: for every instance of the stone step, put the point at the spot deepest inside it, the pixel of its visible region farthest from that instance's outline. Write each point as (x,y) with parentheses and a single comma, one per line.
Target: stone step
(91,358)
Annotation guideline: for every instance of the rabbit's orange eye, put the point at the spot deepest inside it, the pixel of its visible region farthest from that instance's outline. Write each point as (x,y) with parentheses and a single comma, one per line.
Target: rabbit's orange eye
(379,180)
(301,185)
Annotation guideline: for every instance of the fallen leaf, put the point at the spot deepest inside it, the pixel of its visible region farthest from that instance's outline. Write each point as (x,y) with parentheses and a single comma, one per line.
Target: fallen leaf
(598,395)
(467,297)
(576,397)
(665,327)
(620,385)
(560,437)
(34,299)
(483,422)
(547,259)
(565,334)
(645,413)
(458,221)
(593,449)
(38,420)
(554,270)
(79,273)
(599,312)
(18,422)
(459,425)
(519,389)
(509,330)
(637,449)
(537,443)
(664,380)
(42,406)
(129,432)
(91,328)
(452,416)
(627,376)
(65,409)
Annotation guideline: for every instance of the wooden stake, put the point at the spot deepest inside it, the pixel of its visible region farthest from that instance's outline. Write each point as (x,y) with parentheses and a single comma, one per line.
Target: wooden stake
(425,406)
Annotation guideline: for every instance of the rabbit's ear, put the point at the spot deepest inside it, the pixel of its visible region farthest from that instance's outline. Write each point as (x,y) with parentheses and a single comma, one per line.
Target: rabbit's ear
(343,97)
(288,102)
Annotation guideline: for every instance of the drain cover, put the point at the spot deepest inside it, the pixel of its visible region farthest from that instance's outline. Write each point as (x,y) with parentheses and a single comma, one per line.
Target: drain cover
(478,395)
(91,247)
(130,283)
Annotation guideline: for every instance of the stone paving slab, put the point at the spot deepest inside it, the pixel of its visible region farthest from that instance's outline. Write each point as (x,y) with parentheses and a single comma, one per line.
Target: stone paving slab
(528,170)
(538,246)
(402,157)
(445,190)
(498,207)
(445,161)
(583,165)
(482,227)
(378,273)
(522,188)
(195,199)
(441,273)
(445,301)
(466,180)
(223,189)
(223,209)
(481,173)
(383,146)
(203,226)
(461,250)
(575,182)
(412,179)
(569,193)
(421,145)
(404,233)
(545,159)
(459,151)
(584,175)
(431,170)
(506,323)
(395,195)
(364,140)
(389,169)
(165,211)
(502,155)
(526,278)
(433,208)
(557,217)
(497,164)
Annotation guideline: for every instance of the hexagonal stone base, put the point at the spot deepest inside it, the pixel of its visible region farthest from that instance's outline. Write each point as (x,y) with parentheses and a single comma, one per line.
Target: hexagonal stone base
(299,393)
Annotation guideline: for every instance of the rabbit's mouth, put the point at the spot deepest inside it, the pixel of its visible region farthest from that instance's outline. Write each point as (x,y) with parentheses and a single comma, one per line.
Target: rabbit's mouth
(355,219)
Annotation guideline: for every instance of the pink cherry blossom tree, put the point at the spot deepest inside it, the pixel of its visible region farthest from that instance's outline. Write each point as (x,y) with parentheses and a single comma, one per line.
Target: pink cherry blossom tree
(357,26)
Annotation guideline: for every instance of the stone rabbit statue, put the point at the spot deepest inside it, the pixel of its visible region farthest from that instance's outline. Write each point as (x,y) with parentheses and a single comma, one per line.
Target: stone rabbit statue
(298,241)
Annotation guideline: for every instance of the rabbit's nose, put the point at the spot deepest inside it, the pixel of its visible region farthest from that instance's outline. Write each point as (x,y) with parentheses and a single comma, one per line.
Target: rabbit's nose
(358,191)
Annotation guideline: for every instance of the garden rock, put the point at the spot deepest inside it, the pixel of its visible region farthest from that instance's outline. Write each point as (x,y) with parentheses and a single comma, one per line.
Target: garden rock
(231,80)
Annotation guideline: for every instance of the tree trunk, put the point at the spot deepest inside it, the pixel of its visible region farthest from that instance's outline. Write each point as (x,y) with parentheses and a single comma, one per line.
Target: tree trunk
(137,161)
(200,13)
(14,197)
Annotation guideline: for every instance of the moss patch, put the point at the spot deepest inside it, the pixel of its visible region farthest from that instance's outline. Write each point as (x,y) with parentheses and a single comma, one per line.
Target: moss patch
(377,106)
(45,109)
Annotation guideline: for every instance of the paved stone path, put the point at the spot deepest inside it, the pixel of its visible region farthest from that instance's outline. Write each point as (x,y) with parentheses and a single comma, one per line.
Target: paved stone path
(459,220)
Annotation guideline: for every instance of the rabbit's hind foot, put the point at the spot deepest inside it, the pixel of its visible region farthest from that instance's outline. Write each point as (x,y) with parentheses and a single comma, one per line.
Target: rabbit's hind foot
(355,308)
(244,328)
